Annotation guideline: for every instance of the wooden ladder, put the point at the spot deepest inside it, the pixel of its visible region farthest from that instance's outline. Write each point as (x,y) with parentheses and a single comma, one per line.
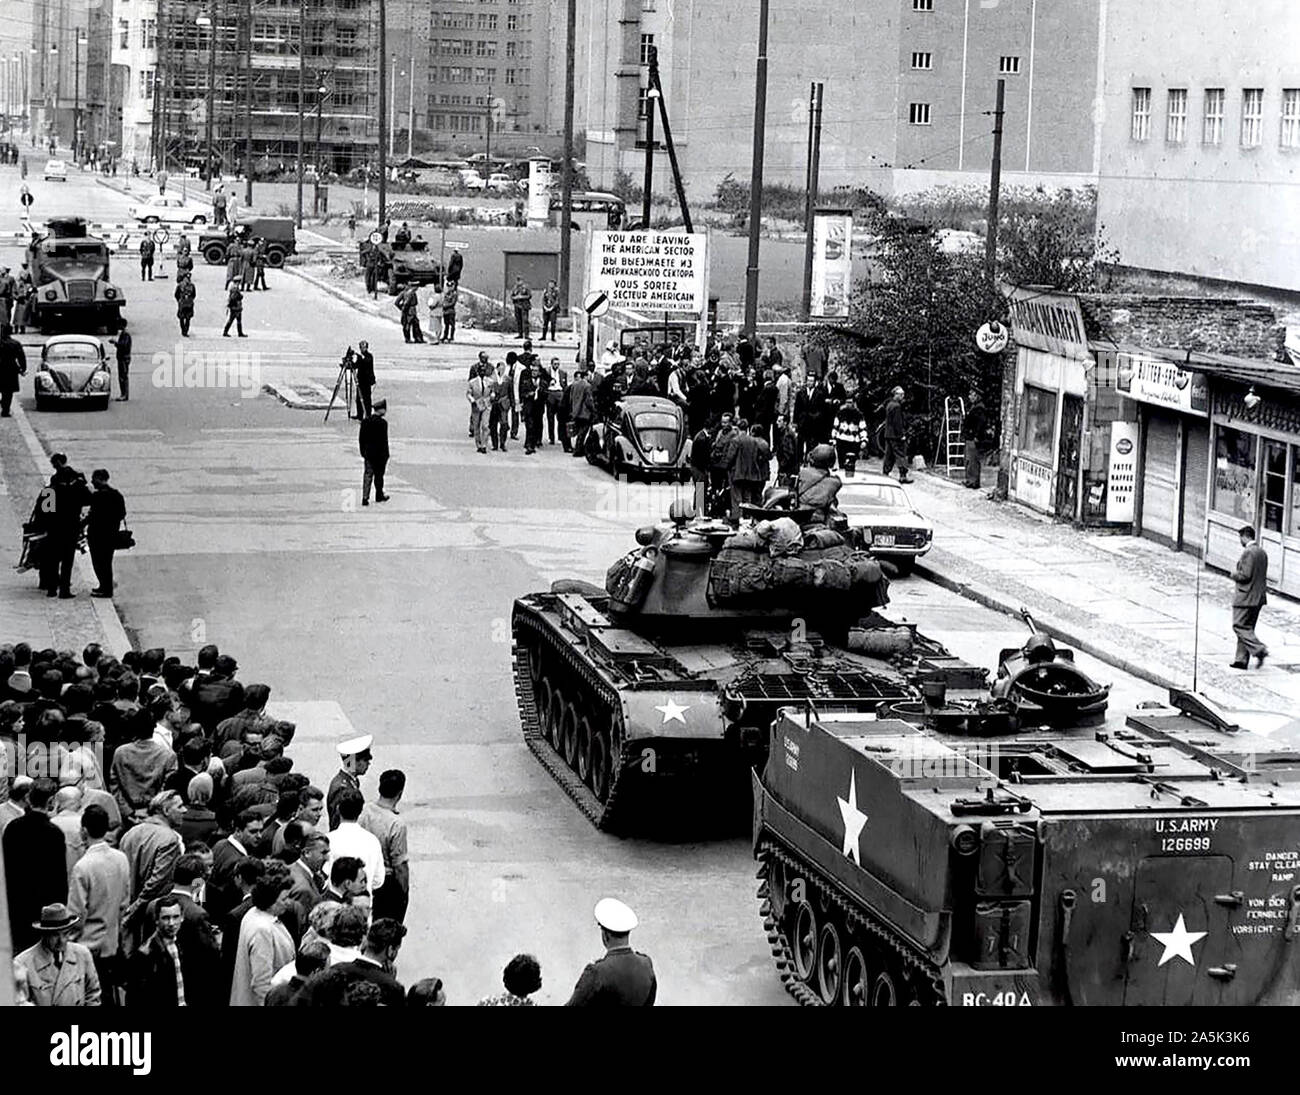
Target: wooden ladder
(954,448)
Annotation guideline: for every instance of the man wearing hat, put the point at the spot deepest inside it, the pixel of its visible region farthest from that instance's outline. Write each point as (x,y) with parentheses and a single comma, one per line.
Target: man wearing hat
(372,441)
(623,978)
(355,758)
(60,973)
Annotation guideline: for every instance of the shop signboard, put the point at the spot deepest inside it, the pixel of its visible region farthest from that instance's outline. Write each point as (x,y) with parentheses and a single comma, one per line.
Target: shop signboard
(1051,322)
(1163,383)
(1121,472)
(832,263)
(1031,483)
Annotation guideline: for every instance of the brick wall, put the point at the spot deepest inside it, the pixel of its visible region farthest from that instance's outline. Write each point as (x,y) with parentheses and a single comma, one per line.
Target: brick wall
(1237,327)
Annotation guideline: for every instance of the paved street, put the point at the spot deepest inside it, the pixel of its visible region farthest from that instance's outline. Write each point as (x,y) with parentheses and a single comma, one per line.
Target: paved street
(394,620)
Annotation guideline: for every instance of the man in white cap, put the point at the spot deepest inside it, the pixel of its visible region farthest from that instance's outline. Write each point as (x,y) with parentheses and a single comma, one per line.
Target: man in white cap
(624,977)
(355,758)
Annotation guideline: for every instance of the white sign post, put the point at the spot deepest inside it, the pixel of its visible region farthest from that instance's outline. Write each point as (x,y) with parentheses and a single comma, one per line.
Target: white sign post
(650,272)
(1121,472)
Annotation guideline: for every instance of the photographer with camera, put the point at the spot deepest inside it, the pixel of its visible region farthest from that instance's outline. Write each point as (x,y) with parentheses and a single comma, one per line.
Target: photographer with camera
(363,363)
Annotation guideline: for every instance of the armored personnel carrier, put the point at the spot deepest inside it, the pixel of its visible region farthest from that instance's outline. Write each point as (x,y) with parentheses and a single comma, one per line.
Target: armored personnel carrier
(1154,863)
(70,272)
(654,696)
(400,265)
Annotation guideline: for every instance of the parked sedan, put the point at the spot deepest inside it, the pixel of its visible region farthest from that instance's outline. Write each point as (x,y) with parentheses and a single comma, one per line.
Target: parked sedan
(166,209)
(890,525)
(645,436)
(55,169)
(73,370)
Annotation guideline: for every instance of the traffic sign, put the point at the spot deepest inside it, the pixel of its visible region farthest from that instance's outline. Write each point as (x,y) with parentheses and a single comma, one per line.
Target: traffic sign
(650,271)
(161,235)
(596,303)
(376,237)
(457,245)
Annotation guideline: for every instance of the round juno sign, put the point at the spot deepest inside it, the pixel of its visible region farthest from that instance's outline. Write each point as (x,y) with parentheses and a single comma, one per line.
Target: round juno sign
(992,338)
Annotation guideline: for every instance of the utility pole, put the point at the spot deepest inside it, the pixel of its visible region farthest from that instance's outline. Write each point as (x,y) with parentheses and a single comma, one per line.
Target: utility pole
(383,111)
(76,94)
(756,173)
(212,73)
(995,182)
(392,118)
(814,170)
(668,141)
(410,109)
(488,150)
(647,184)
(302,82)
(566,176)
(248,110)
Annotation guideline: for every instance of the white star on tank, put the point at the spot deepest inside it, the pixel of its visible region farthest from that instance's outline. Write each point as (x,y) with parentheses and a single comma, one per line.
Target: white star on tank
(673,711)
(1178,943)
(854,820)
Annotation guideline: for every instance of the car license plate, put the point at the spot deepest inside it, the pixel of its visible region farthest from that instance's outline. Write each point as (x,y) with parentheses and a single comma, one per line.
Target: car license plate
(659,456)
(883,539)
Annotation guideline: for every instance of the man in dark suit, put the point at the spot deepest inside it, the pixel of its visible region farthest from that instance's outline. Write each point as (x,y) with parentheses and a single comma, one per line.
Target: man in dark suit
(378,955)
(365,378)
(223,891)
(107,512)
(307,874)
(217,696)
(1251,577)
(36,864)
(372,440)
(623,978)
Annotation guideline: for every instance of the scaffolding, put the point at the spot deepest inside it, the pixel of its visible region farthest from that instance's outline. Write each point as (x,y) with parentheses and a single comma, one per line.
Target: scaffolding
(260,72)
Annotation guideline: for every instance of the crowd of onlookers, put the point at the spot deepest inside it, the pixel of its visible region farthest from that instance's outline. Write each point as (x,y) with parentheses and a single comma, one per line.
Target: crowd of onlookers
(752,417)
(160,849)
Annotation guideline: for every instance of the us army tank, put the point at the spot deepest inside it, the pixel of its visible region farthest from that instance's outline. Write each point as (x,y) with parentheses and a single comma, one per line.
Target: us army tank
(650,700)
(1152,863)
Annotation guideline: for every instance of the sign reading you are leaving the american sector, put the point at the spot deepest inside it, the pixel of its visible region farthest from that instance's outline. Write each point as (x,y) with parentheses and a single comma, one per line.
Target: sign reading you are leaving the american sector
(650,271)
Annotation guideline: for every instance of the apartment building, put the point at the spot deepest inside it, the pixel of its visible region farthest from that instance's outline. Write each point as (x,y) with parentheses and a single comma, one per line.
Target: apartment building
(63,50)
(1200,162)
(909,88)
(491,57)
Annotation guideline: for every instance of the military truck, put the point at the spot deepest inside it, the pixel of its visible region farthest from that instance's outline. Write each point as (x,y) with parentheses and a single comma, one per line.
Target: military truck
(1156,863)
(70,274)
(214,245)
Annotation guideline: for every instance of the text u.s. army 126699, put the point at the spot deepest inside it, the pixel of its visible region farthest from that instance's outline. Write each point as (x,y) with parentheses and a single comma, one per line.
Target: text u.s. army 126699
(1158,863)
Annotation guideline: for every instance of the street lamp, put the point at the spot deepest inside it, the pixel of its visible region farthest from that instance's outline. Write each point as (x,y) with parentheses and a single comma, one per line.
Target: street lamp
(321,91)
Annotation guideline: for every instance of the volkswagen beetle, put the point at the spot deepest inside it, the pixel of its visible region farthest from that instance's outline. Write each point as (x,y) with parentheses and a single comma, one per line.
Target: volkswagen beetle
(73,370)
(645,436)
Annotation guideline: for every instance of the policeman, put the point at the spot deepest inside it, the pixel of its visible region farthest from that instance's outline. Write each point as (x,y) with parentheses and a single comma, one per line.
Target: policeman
(623,978)
(355,758)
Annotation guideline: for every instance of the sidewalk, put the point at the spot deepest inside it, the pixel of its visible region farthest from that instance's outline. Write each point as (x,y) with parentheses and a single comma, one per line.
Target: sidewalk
(26,614)
(1124,599)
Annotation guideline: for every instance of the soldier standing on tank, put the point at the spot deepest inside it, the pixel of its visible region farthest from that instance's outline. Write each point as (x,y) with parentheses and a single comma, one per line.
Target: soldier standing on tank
(624,977)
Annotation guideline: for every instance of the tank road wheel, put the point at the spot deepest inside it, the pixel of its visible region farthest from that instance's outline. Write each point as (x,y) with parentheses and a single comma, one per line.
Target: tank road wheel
(535,664)
(548,702)
(884,990)
(830,964)
(856,980)
(803,942)
(598,763)
(582,745)
(568,727)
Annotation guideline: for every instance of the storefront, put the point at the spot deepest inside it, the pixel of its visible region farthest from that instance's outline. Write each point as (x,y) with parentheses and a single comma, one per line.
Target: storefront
(1052,360)
(1172,448)
(1255,442)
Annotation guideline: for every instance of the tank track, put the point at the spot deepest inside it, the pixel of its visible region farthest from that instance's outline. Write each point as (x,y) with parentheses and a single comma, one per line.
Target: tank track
(923,976)
(605,815)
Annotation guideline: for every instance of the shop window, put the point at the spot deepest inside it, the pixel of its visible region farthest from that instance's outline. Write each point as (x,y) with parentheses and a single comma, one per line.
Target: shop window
(1038,424)
(1234,474)
(1293,525)
(1274,485)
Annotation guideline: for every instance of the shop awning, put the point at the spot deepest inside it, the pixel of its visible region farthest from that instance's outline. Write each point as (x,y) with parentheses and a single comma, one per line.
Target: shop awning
(1270,374)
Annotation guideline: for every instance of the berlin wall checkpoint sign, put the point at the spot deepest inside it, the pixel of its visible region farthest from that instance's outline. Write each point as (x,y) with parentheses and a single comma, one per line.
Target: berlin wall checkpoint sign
(650,271)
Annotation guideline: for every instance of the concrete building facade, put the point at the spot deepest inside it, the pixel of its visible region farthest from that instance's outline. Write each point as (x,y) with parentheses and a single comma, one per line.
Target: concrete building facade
(1200,168)
(489,57)
(910,88)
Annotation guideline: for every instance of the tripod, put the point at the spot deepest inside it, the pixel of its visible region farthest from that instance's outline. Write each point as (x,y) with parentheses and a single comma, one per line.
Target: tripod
(344,382)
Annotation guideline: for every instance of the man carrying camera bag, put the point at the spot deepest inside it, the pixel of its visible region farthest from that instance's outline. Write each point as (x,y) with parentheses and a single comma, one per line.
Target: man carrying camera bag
(104,533)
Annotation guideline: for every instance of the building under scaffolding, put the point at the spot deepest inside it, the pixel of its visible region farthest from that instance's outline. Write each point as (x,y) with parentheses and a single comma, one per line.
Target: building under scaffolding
(178,59)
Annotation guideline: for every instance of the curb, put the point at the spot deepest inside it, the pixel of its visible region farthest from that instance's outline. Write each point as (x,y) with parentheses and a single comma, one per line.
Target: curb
(991,599)
(290,398)
(368,307)
(115,639)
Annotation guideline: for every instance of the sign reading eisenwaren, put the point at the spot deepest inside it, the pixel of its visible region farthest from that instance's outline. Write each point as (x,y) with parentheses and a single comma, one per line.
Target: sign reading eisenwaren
(650,271)
(1051,322)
